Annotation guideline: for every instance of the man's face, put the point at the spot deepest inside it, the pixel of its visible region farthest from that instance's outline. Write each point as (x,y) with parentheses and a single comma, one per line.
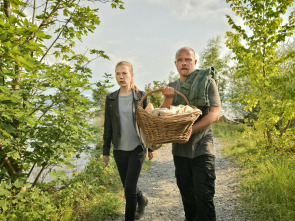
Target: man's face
(185,62)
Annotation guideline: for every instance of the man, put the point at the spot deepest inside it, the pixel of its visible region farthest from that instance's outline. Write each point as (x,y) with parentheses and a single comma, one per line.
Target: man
(195,160)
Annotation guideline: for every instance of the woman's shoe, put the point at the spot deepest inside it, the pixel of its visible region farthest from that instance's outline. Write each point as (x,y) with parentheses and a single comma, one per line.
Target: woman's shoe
(142,203)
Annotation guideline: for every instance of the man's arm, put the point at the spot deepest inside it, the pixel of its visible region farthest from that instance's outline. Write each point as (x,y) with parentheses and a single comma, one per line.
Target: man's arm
(208,119)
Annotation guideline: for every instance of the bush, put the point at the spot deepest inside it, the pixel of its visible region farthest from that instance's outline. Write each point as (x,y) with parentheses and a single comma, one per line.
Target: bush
(93,194)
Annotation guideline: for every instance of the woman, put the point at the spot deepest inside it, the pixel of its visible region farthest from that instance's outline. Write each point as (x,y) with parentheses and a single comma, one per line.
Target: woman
(121,129)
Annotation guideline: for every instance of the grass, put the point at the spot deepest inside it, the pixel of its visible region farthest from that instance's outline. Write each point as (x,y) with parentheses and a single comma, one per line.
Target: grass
(267,178)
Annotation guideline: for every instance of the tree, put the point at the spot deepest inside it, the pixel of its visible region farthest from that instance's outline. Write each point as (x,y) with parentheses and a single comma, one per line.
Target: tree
(229,88)
(155,98)
(173,76)
(211,57)
(235,88)
(44,109)
(100,92)
(255,49)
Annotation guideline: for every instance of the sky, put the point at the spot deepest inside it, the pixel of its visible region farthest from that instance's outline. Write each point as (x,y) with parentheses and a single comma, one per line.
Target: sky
(147,33)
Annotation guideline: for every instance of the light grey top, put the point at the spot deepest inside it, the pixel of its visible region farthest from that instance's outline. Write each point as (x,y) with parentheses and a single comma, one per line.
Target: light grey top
(129,139)
(201,142)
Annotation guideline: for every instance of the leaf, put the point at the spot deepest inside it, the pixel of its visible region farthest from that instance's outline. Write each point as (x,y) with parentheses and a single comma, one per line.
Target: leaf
(18,183)
(4,192)
(70,165)
(3,36)
(3,205)
(5,134)
(14,154)
(15,49)
(9,128)
(10,74)
(13,19)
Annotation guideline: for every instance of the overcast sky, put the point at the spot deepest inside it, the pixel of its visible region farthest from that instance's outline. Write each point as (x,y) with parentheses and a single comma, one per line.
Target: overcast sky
(147,33)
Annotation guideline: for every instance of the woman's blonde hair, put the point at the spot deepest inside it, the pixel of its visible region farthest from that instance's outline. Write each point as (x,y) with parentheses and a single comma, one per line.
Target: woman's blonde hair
(132,85)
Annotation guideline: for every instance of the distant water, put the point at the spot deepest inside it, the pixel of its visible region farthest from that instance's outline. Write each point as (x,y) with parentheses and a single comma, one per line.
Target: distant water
(79,163)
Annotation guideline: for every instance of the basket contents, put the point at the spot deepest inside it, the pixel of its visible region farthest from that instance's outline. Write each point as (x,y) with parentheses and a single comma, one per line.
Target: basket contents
(174,110)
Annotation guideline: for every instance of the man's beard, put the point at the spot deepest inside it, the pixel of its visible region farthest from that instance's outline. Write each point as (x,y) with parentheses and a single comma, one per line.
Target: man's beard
(185,75)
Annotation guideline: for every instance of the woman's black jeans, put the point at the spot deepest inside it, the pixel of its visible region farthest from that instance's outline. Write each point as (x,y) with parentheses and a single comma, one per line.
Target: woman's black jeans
(196,182)
(129,165)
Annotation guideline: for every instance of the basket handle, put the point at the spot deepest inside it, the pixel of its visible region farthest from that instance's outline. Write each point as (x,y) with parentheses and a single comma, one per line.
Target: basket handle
(147,94)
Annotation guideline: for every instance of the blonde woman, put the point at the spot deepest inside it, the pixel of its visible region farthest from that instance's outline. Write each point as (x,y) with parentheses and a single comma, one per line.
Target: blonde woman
(121,129)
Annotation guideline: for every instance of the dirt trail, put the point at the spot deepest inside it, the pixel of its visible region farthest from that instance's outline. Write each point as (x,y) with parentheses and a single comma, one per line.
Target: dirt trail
(159,186)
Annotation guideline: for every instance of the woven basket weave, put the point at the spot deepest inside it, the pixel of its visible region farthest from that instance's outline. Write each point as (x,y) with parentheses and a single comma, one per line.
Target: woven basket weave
(166,129)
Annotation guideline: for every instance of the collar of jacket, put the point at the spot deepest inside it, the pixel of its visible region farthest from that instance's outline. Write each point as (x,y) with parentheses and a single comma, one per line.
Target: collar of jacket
(115,95)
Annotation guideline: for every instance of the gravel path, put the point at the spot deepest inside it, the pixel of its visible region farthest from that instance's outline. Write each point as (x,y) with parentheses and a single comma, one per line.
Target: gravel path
(159,186)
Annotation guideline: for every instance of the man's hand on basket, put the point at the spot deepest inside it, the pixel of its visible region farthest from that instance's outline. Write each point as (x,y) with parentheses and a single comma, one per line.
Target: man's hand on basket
(168,91)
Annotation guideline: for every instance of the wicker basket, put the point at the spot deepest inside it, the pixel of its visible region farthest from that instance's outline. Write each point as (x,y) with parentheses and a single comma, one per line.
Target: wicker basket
(166,129)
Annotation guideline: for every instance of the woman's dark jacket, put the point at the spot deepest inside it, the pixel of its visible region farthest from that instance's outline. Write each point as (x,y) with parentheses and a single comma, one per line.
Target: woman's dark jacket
(112,131)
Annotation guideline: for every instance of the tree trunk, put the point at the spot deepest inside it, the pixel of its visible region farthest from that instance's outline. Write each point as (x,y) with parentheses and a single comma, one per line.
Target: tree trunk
(7,9)
(269,139)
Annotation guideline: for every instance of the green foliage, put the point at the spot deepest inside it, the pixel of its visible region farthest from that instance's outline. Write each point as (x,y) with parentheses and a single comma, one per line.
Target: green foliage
(267,181)
(44,109)
(271,92)
(156,98)
(230,88)
(100,92)
(173,76)
(211,57)
(91,195)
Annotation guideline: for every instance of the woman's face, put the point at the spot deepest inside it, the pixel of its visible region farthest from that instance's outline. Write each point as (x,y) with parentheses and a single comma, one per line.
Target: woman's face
(123,76)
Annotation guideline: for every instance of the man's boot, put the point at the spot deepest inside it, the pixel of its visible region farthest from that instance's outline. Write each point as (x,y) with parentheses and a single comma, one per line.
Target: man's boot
(142,203)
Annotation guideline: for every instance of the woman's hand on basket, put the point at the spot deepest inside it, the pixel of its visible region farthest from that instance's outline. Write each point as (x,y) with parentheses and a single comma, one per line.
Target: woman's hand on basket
(168,91)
